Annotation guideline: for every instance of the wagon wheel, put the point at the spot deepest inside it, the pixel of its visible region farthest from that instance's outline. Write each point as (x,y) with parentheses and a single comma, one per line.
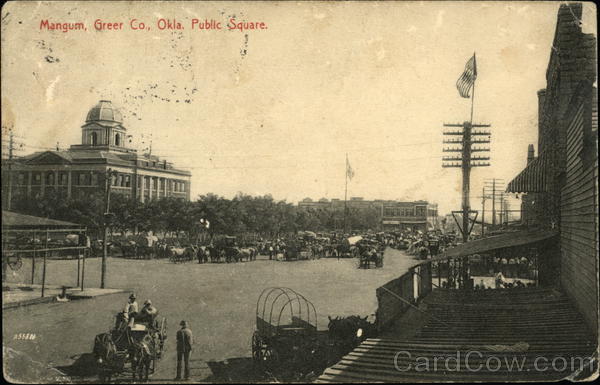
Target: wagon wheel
(153,364)
(162,337)
(262,352)
(257,346)
(15,262)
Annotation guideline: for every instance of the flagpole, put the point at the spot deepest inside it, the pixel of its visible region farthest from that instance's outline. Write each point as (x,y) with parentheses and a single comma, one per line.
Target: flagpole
(474,80)
(472,101)
(467,161)
(346,193)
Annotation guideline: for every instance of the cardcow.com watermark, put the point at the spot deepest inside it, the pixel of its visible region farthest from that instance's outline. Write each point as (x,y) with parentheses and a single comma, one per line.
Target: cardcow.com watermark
(476,361)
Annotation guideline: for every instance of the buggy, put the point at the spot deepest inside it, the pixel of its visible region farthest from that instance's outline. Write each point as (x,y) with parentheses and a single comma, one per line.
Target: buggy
(140,345)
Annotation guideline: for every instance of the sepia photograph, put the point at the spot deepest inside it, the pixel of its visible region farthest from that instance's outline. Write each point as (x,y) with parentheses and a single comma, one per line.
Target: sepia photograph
(299,191)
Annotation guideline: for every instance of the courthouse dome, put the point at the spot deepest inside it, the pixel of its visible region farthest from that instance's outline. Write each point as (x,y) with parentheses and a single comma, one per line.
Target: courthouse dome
(104,111)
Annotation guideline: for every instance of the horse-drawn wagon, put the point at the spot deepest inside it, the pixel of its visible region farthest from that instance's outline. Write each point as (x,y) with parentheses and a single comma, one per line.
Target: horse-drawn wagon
(140,345)
(286,331)
(298,249)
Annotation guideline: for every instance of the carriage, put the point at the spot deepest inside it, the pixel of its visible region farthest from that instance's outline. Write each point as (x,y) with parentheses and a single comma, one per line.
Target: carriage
(140,345)
(369,253)
(297,250)
(286,331)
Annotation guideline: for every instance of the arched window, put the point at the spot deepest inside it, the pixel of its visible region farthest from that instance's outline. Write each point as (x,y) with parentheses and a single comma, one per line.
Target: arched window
(117,139)
(94,139)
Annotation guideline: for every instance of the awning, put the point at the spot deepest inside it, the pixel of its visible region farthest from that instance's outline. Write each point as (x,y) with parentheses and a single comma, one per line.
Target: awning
(533,178)
(12,220)
(512,239)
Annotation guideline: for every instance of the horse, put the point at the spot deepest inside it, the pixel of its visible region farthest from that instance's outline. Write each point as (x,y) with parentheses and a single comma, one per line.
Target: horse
(105,353)
(214,254)
(203,254)
(245,252)
(349,332)
(368,256)
(253,252)
(141,354)
(232,254)
(162,249)
(180,254)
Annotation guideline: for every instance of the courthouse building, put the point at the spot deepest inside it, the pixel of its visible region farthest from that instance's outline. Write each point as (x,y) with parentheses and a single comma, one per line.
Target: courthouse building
(82,168)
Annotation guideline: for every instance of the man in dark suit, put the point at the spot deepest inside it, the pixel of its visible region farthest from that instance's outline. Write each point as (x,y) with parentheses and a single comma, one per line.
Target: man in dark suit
(184,348)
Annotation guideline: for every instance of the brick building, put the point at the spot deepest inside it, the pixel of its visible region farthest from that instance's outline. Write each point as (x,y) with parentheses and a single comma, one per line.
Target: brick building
(393,215)
(83,167)
(561,183)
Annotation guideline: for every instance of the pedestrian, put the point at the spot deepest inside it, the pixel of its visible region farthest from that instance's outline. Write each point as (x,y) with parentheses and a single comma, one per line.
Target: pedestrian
(184,349)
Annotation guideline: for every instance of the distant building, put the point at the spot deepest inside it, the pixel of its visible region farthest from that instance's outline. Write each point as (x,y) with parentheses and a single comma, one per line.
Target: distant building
(394,215)
(83,167)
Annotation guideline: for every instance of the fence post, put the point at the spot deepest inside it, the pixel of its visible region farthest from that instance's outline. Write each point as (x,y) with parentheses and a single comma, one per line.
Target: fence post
(78,266)
(83,268)
(33,261)
(44,268)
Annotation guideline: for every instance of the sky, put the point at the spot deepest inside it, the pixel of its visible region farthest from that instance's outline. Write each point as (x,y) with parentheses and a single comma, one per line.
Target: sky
(275,111)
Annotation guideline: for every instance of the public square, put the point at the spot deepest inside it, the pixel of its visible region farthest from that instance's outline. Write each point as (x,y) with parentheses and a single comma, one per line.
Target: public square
(218,300)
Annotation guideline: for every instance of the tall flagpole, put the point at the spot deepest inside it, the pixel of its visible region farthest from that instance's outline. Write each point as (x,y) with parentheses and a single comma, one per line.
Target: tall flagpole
(346,193)
(474,81)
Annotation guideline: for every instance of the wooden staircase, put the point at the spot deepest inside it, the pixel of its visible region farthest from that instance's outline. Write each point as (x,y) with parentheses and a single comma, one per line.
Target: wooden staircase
(491,335)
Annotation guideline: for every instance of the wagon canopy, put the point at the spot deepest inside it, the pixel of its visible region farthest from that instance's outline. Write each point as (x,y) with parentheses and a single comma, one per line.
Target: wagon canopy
(353,240)
(281,308)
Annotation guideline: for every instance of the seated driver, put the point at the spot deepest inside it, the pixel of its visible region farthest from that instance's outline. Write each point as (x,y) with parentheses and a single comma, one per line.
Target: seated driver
(148,313)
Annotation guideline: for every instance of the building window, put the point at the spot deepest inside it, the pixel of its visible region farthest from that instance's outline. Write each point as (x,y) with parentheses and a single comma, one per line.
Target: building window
(94,177)
(21,178)
(117,139)
(37,178)
(127,181)
(94,139)
(82,179)
(50,179)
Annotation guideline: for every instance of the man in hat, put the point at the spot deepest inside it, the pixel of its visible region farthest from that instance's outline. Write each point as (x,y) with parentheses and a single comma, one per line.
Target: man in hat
(184,348)
(131,309)
(148,313)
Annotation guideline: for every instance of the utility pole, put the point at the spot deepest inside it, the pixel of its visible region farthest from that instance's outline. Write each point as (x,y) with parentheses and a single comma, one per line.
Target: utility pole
(482,211)
(466,161)
(12,146)
(466,132)
(497,186)
(107,181)
(494,204)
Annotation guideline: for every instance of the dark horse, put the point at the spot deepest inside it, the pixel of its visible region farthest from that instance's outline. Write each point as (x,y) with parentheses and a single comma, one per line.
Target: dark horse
(105,353)
(349,332)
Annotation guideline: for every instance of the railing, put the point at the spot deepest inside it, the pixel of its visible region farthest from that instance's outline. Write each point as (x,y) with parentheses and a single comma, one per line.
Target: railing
(398,295)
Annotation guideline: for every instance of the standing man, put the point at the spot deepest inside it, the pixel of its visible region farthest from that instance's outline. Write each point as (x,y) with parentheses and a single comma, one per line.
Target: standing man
(184,348)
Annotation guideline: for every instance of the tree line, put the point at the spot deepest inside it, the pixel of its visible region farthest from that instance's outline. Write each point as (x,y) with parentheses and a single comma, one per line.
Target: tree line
(243,214)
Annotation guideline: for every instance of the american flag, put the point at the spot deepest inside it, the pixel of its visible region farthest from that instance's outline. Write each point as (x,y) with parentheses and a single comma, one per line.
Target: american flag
(467,79)
(349,170)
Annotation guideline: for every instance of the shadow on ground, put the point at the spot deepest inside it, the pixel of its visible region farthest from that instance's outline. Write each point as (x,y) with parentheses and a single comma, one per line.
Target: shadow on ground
(235,370)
